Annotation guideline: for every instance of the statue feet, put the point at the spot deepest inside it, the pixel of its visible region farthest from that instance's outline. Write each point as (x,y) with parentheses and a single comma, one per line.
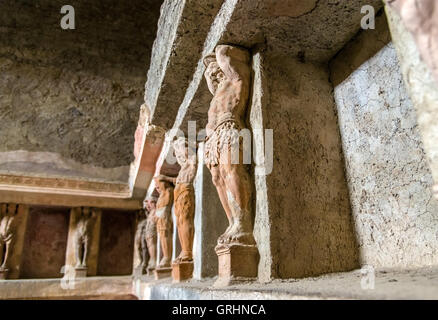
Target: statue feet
(184,257)
(152,264)
(164,263)
(163,270)
(225,235)
(236,235)
(80,266)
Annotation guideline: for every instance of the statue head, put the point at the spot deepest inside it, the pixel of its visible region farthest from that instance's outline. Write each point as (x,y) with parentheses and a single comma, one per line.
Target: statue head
(213,73)
(150,203)
(86,212)
(12,209)
(161,183)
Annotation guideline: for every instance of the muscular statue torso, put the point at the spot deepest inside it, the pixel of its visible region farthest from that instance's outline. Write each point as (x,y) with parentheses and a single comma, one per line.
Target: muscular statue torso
(228,76)
(227,101)
(6,226)
(164,203)
(83,227)
(7,219)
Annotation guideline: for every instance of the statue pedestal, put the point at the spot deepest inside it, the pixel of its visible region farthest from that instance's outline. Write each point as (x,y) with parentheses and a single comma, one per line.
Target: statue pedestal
(182,271)
(237,263)
(161,273)
(80,272)
(138,271)
(150,271)
(4,273)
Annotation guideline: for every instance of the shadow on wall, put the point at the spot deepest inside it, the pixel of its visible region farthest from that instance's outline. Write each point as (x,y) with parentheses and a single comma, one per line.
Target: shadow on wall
(360,49)
(309,207)
(116,246)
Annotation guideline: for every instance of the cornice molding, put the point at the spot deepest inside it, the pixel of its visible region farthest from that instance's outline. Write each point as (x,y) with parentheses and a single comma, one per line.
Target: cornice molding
(66,186)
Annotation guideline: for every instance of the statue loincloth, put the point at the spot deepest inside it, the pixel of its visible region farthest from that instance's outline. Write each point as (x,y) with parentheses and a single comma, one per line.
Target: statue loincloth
(6,237)
(82,238)
(224,138)
(164,221)
(184,195)
(151,228)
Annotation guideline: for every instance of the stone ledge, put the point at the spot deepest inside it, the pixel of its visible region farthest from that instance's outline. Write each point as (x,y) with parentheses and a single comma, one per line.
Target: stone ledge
(107,288)
(389,284)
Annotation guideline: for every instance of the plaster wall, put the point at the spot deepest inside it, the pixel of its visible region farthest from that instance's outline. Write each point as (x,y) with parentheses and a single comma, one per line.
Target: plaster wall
(311,230)
(45,242)
(116,245)
(395,215)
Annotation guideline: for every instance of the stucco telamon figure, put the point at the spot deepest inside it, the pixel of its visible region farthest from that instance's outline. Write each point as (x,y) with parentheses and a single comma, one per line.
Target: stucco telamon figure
(82,237)
(228,79)
(151,231)
(163,213)
(7,226)
(140,243)
(184,195)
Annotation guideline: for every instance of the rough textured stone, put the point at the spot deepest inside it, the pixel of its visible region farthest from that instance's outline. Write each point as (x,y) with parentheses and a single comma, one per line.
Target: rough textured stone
(421,86)
(309,30)
(389,284)
(262,219)
(388,175)
(363,46)
(74,92)
(309,210)
(182,28)
(312,30)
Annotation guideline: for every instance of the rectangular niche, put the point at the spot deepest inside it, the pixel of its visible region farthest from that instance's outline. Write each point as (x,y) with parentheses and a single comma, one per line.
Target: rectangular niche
(45,242)
(116,245)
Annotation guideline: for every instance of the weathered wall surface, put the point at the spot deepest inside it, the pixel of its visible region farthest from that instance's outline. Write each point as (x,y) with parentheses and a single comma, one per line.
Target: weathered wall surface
(418,76)
(116,246)
(74,92)
(309,209)
(45,242)
(396,218)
